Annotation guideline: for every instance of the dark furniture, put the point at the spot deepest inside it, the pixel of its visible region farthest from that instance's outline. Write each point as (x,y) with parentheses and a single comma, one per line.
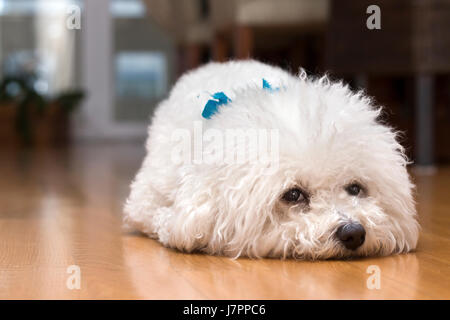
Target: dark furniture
(414,40)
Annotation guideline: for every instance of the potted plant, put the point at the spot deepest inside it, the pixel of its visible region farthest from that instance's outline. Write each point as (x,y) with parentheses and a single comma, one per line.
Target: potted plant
(28,118)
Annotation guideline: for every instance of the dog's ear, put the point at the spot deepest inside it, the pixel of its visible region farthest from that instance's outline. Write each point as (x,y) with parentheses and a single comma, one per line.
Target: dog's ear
(395,193)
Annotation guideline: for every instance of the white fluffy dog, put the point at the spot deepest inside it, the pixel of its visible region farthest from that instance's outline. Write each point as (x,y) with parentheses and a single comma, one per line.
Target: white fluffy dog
(334,183)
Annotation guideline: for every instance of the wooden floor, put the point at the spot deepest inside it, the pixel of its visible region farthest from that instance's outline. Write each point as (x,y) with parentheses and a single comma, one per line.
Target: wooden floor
(63,208)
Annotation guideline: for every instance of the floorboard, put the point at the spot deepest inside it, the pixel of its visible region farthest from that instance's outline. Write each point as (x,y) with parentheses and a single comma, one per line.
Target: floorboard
(63,207)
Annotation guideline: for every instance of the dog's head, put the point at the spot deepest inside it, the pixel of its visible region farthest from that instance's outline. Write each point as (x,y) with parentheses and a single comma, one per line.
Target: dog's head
(339,187)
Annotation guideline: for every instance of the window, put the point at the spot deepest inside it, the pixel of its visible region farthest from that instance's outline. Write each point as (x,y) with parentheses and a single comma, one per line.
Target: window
(141,75)
(128,8)
(36,45)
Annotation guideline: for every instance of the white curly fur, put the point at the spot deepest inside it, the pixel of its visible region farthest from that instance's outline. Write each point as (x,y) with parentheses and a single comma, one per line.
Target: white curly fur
(329,137)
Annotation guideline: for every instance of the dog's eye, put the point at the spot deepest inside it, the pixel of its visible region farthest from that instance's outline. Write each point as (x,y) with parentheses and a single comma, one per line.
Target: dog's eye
(354,189)
(295,195)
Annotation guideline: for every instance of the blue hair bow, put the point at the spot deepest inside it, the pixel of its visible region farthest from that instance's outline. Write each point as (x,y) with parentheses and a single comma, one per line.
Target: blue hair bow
(267,86)
(220,99)
(212,106)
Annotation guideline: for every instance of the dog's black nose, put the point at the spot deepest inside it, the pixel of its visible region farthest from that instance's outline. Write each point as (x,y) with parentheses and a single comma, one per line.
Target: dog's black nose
(352,235)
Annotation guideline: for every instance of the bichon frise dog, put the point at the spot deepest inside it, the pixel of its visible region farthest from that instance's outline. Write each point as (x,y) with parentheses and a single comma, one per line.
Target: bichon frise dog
(245,159)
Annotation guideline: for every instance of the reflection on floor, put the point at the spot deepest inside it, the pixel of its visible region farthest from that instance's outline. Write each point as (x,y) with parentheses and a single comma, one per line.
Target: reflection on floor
(62,208)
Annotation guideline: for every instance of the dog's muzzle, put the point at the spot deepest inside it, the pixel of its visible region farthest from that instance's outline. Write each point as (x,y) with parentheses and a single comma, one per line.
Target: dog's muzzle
(351,235)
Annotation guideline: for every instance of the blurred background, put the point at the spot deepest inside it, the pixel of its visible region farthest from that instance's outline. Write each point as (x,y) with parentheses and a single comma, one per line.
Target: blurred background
(80,79)
(74,72)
